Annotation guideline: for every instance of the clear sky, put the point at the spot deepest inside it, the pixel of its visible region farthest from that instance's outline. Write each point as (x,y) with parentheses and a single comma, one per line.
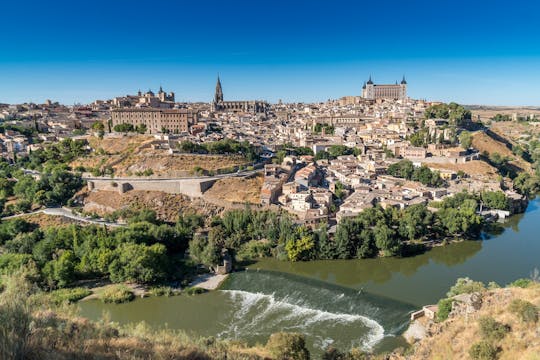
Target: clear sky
(472,52)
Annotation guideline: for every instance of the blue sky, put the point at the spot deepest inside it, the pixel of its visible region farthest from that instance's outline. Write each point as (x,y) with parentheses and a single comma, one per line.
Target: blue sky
(472,52)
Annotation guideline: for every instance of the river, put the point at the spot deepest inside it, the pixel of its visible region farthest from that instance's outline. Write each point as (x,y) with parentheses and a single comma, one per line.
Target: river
(362,303)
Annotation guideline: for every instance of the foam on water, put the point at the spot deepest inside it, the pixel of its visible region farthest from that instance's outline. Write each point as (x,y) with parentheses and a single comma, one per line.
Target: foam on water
(258,310)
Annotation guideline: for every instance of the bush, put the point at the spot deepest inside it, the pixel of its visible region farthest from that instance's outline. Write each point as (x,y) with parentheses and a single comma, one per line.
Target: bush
(117,294)
(483,350)
(525,310)
(444,308)
(465,286)
(69,295)
(522,283)
(162,291)
(193,290)
(285,346)
(492,329)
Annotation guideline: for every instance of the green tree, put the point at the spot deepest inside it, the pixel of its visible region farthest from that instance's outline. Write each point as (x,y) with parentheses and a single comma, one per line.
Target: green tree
(465,139)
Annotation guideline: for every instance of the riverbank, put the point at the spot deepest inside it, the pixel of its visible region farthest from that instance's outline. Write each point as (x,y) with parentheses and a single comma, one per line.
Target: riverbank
(209,281)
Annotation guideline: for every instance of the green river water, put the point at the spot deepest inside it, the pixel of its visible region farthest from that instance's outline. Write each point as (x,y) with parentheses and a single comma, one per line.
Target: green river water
(362,303)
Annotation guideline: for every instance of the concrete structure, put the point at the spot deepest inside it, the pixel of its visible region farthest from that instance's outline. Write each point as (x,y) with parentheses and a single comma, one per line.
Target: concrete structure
(192,187)
(156,120)
(385,91)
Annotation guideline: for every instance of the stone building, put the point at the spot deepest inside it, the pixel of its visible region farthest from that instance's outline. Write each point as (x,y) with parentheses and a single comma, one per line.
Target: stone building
(384,91)
(248,106)
(147,99)
(156,120)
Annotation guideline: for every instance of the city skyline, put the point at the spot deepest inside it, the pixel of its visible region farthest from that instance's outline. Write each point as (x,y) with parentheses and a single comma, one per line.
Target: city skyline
(301,52)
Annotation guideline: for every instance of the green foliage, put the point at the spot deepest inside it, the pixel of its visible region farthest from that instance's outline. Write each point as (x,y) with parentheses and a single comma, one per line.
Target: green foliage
(405,169)
(53,188)
(60,272)
(300,249)
(483,350)
(501,117)
(444,309)
(287,346)
(193,290)
(419,138)
(11,263)
(162,291)
(456,114)
(522,283)
(465,286)
(70,295)
(524,310)
(16,306)
(117,294)
(98,126)
(54,155)
(495,200)
(491,329)
(465,139)
(328,129)
(139,263)
(224,147)
(125,128)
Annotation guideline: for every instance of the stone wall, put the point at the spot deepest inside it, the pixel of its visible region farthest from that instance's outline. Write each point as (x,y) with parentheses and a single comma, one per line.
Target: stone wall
(189,187)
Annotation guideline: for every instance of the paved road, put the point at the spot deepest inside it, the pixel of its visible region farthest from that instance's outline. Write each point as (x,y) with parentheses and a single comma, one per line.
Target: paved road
(65,213)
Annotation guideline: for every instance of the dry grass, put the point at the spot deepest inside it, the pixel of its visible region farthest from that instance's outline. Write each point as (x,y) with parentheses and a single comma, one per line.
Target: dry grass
(167,206)
(485,143)
(454,337)
(129,155)
(472,168)
(237,190)
(44,220)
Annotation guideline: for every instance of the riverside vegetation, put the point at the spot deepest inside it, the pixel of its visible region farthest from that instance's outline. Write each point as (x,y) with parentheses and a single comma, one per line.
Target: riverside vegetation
(38,326)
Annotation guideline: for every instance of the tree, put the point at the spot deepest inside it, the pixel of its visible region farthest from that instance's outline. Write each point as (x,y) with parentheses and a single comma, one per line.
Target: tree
(60,272)
(301,248)
(465,139)
(385,239)
(125,128)
(139,263)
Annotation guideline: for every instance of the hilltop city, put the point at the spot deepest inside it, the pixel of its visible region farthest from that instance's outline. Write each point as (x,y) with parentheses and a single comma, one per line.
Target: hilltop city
(322,162)
(142,195)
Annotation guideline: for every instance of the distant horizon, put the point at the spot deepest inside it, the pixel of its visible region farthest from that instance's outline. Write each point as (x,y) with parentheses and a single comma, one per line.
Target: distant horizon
(301,51)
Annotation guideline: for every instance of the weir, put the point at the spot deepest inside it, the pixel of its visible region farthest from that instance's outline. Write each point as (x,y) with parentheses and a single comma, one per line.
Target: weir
(268,300)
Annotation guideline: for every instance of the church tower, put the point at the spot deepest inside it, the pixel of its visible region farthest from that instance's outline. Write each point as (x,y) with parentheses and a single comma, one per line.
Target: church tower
(218,97)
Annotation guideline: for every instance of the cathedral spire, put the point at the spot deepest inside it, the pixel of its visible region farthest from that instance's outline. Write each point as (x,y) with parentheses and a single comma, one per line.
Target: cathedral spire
(403,82)
(218,97)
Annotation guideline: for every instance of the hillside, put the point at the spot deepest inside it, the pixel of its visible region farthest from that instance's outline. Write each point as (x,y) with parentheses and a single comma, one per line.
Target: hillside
(134,155)
(166,206)
(485,143)
(513,339)
(237,190)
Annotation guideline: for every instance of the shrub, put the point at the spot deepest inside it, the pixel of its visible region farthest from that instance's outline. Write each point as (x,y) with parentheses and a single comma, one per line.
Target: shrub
(483,350)
(117,294)
(285,346)
(526,311)
(492,329)
(162,291)
(465,286)
(522,283)
(69,295)
(194,290)
(444,308)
